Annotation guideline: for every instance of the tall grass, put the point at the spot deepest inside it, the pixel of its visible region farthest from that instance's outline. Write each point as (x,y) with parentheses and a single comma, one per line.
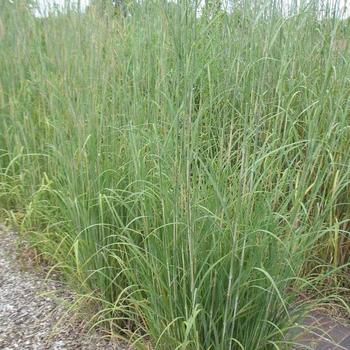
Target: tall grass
(190,174)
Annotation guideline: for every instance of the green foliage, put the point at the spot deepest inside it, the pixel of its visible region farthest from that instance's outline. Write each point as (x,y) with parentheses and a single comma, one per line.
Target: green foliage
(190,175)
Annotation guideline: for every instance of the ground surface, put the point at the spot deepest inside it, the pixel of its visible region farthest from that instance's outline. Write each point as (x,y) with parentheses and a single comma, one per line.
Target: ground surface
(31,316)
(322,332)
(30,308)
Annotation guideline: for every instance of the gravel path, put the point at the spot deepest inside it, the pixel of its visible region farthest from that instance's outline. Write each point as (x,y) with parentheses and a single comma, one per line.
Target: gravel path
(29,309)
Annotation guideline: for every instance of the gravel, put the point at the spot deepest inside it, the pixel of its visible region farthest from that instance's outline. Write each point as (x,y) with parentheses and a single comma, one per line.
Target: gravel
(32,316)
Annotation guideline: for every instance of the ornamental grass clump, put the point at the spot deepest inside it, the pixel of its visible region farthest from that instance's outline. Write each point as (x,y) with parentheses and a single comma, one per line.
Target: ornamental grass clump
(187,171)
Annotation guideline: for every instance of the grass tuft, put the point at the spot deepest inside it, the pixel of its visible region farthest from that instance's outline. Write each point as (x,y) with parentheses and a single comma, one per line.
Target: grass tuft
(189,175)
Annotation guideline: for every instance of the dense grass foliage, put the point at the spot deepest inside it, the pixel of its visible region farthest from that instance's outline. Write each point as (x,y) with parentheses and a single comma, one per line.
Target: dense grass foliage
(188,174)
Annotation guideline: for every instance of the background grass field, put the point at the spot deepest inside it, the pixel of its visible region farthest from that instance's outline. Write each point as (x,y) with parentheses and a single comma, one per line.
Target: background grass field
(189,175)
